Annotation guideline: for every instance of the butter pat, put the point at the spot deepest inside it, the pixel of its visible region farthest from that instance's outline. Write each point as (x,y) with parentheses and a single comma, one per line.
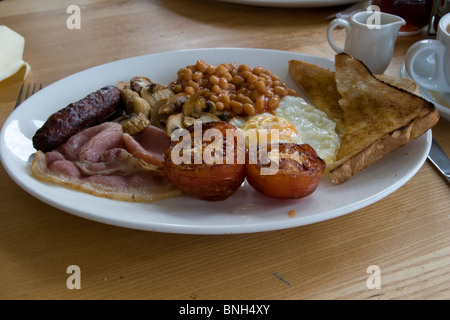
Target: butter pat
(11,51)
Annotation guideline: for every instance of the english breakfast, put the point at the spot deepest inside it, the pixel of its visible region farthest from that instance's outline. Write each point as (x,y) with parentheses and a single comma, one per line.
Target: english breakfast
(213,127)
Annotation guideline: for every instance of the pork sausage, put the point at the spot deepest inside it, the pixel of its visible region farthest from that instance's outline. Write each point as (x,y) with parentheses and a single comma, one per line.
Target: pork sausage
(94,109)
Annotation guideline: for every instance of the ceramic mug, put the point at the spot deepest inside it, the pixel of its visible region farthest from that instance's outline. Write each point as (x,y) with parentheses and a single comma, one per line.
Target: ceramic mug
(370,37)
(428,61)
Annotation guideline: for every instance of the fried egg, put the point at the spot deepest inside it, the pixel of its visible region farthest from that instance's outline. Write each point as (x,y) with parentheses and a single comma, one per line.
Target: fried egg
(296,121)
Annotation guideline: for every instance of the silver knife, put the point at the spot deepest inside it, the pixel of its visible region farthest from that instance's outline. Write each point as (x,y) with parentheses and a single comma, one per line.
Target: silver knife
(440,160)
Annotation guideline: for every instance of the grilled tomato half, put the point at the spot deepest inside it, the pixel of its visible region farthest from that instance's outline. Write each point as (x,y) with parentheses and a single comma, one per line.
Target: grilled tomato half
(291,171)
(206,160)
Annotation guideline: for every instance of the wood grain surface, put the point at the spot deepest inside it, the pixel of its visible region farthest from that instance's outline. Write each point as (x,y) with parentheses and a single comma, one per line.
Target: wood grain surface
(406,234)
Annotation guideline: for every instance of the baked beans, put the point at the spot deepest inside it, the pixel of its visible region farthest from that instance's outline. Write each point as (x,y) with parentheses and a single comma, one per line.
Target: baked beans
(241,89)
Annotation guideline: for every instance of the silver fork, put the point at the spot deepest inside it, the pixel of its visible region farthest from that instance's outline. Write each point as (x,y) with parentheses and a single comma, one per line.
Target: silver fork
(28,93)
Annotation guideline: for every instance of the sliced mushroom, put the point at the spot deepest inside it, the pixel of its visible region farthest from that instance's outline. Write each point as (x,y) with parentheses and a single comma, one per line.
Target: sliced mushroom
(196,105)
(174,122)
(134,103)
(203,118)
(134,123)
(138,83)
(207,117)
(188,121)
(225,116)
(159,120)
(173,104)
(156,97)
(122,85)
(153,87)
(181,121)
(193,106)
(210,107)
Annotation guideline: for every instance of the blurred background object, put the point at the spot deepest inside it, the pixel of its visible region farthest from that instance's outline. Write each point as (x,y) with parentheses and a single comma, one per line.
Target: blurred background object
(416,13)
(11,51)
(440,8)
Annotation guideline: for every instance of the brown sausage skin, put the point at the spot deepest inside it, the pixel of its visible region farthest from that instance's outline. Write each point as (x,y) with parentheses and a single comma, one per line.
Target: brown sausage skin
(94,109)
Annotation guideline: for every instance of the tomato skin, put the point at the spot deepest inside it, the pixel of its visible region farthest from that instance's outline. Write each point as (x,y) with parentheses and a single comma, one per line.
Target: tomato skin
(212,182)
(292,180)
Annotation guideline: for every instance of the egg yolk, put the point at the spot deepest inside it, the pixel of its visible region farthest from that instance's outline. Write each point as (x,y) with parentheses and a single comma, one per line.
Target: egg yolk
(264,123)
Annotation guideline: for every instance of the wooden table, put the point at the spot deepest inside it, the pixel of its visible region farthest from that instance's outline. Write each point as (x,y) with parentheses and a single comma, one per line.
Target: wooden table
(406,234)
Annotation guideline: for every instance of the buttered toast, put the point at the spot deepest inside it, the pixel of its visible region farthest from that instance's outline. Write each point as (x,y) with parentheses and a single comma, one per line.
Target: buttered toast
(319,86)
(376,117)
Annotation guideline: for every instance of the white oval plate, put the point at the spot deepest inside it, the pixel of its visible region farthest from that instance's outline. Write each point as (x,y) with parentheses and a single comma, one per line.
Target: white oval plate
(246,211)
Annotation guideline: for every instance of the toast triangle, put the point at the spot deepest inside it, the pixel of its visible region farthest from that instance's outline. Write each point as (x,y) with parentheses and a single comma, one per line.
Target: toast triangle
(378,118)
(319,86)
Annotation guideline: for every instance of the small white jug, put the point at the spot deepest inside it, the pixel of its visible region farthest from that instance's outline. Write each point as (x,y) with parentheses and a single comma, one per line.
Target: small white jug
(370,37)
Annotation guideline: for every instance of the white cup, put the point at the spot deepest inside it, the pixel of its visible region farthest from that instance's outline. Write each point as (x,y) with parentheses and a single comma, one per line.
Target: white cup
(428,61)
(370,37)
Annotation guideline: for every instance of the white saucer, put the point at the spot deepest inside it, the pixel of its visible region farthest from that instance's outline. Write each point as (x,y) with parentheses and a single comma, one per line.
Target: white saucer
(440,99)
